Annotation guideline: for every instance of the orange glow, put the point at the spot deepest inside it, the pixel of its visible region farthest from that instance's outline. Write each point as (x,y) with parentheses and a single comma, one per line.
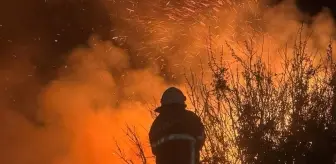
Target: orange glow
(85,109)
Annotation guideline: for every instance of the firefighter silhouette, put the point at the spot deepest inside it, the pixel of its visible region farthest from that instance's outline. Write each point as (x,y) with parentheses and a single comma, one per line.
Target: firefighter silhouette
(176,135)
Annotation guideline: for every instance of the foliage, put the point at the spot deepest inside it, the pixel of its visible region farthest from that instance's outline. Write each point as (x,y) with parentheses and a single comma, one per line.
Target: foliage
(255,115)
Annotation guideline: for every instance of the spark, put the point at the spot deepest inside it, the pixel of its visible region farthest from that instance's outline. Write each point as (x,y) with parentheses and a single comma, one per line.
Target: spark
(130,10)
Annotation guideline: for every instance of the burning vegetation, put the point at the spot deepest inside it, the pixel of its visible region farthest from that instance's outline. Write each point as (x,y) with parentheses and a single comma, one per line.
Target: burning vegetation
(76,72)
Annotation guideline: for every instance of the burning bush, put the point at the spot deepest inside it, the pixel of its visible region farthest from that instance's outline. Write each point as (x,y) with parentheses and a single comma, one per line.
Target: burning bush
(254,114)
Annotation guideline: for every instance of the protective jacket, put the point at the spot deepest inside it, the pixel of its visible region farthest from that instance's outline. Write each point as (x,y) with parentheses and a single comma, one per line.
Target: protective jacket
(176,135)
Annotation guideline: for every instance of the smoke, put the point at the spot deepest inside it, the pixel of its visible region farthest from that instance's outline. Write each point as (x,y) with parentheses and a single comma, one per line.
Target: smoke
(36,38)
(75,71)
(79,111)
(313,8)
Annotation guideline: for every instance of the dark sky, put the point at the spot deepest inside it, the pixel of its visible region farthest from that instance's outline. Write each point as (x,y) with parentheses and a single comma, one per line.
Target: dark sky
(313,7)
(55,28)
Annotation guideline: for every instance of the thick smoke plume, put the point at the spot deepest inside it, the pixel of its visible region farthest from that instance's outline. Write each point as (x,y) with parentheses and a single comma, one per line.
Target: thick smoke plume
(73,72)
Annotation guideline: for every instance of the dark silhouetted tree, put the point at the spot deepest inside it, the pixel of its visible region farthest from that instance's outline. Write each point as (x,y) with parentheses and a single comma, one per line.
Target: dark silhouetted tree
(255,115)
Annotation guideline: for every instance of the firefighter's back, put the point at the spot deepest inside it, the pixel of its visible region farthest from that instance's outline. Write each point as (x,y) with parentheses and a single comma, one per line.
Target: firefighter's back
(176,135)
(174,152)
(175,122)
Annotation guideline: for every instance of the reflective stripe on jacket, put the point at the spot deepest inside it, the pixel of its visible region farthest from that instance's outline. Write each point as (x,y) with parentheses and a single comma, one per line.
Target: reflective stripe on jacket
(179,137)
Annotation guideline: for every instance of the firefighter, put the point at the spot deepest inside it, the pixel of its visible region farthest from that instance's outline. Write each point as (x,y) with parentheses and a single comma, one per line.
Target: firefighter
(176,135)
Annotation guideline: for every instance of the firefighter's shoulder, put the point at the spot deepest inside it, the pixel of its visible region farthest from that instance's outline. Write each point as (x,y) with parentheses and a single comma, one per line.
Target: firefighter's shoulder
(192,115)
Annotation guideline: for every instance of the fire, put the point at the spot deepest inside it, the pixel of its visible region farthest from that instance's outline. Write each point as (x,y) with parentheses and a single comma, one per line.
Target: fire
(93,113)
(96,90)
